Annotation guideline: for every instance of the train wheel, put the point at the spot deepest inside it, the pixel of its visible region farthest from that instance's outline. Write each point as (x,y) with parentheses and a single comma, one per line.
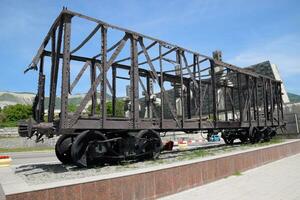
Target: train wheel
(228,138)
(85,150)
(231,139)
(243,138)
(272,133)
(268,134)
(254,135)
(149,144)
(63,148)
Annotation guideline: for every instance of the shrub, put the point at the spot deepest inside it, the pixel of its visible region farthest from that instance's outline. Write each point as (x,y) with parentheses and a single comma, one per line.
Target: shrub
(2,117)
(72,107)
(119,108)
(14,113)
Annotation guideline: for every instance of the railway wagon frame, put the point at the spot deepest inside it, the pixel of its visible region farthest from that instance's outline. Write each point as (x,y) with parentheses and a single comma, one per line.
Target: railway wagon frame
(196,92)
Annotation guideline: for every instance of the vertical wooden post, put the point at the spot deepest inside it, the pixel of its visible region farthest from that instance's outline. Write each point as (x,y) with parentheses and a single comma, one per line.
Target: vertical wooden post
(281,103)
(249,99)
(147,98)
(41,92)
(271,102)
(103,78)
(297,125)
(65,73)
(277,101)
(134,82)
(54,70)
(53,78)
(188,100)
(239,96)
(267,88)
(256,102)
(225,104)
(94,94)
(199,92)
(214,91)
(179,61)
(265,100)
(232,106)
(114,87)
(162,93)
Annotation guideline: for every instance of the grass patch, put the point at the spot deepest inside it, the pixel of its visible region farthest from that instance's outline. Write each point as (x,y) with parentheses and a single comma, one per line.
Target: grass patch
(7,136)
(199,153)
(8,124)
(159,161)
(237,173)
(25,149)
(272,141)
(181,156)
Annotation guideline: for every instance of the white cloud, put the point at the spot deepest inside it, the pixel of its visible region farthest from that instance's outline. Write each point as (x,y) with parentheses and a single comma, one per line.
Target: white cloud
(283,51)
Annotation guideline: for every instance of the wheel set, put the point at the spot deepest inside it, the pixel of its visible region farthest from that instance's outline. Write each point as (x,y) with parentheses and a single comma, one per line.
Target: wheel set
(93,147)
(252,135)
(231,135)
(263,134)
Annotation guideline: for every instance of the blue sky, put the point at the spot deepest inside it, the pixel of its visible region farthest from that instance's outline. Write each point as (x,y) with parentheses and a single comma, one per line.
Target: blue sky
(247,32)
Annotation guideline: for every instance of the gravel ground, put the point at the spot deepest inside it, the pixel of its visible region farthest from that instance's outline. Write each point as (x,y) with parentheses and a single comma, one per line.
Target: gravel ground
(19,142)
(44,173)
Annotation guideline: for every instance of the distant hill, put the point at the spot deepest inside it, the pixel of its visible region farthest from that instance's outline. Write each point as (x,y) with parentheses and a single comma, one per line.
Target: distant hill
(12,98)
(294,98)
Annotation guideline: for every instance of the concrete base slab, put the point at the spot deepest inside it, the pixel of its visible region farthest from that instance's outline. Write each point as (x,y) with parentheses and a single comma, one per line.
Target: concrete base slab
(148,183)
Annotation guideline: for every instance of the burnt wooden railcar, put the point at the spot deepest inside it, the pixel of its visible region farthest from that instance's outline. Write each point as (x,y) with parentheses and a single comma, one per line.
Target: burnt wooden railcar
(170,89)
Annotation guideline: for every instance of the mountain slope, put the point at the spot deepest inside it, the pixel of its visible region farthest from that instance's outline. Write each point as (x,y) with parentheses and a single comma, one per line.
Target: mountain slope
(12,98)
(294,98)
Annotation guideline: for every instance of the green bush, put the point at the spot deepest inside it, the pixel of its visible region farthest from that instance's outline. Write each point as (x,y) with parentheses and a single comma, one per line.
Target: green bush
(8,124)
(72,107)
(2,117)
(119,108)
(14,113)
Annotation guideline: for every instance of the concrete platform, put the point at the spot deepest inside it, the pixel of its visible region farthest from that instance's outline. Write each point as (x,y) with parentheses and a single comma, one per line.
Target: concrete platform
(148,183)
(279,180)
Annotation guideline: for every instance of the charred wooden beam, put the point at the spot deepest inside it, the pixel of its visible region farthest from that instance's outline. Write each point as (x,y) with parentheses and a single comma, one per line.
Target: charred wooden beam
(134,83)
(214,91)
(94,94)
(162,93)
(54,68)
(65,86)
(41,93)
(104,67)
(114,90)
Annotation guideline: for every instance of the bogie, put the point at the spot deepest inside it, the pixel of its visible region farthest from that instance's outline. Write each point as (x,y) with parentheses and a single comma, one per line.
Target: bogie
(93,147)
